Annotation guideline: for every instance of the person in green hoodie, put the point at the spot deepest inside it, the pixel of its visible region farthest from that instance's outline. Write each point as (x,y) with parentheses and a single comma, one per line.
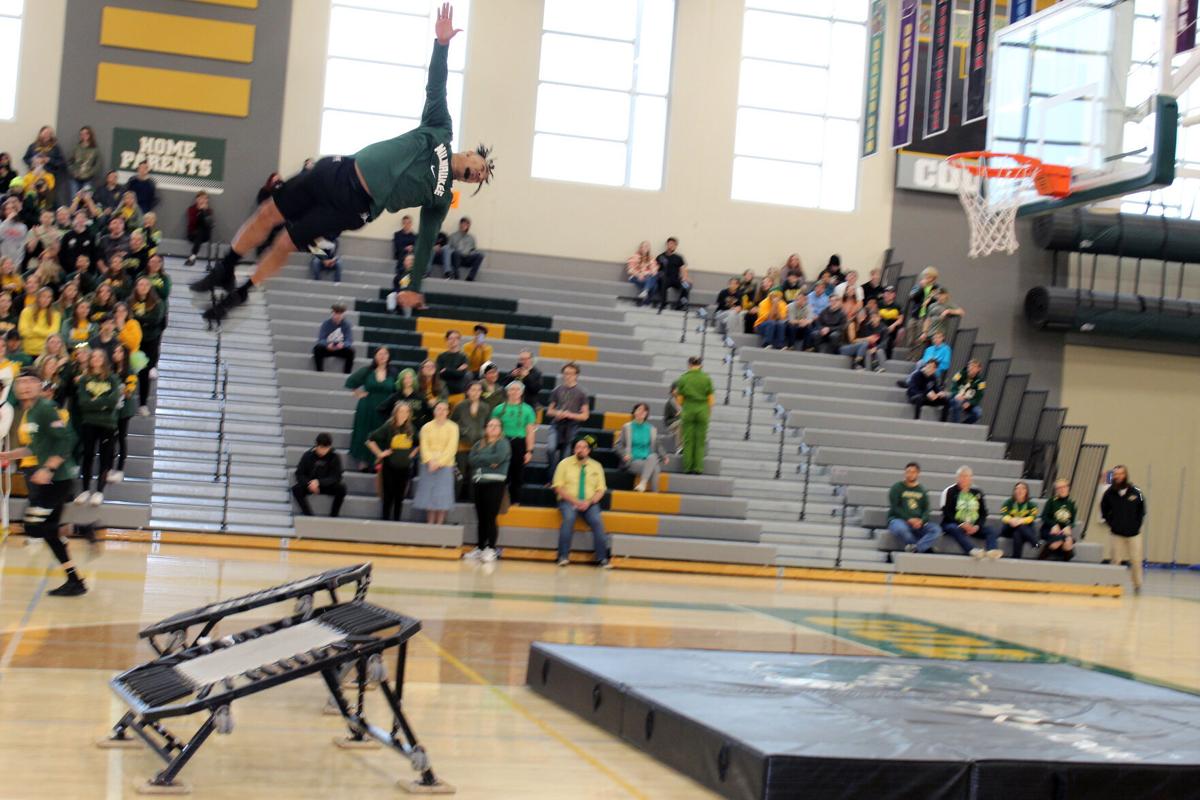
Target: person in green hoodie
(344,193)
(908,512)
(1017,515)
(97,394)
(966,394)
(471,415)
(1058,523)
(371,385)
(150,312)
(394,444)
(126,410)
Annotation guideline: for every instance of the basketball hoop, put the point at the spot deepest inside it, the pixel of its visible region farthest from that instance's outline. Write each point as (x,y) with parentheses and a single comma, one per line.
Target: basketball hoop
(992,186)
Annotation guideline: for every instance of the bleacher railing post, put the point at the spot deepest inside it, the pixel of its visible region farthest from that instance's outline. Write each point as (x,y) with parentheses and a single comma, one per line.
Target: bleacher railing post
(730,358)
(683,333)
(225,503)
(750,407)
(807,473)
(703,315)
(841,532)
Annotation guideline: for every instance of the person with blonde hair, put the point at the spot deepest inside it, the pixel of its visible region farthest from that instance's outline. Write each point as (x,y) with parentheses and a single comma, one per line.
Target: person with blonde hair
(641,269)
(393,443)
(439,450)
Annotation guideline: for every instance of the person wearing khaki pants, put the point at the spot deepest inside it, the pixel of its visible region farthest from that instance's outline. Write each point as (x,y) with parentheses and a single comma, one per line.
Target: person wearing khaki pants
(1123,508)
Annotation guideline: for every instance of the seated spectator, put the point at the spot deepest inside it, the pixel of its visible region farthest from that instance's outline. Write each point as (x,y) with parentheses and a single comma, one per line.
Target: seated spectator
(129,211)
(771,323)
(918,302)
(793,286)
(568,408)
(116,240)
(892,317)
(830,327)
(640,450)
(461,252)
(1058,523)
(76,242)
(452,364)
(863,336)
(492,389)
(471,415)
(925,389)
(672,274)
(404,241)
(729,305)
(938,314)
(642,271)
(38,321)
(799,323)
(938,351)
(435,481)
(966,394)
(400,282)
(478,351)
(328,262)
(818,298)
(392,443)
(872,289)
(530,376)
(143,187)
(108,194)
(908,512)
(519,424)
(793,267)
(832,274)
(319,472)
(7,173)
(673,420)
(106,336)
(964,515)
(580,486)
(1018,514)
(335,339)
(199,225)
(489,460)
(151,232)
(851,294)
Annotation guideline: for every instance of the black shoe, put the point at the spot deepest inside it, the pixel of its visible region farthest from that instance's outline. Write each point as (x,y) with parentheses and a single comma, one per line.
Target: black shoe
(219,277)
(72,588)
(220,310)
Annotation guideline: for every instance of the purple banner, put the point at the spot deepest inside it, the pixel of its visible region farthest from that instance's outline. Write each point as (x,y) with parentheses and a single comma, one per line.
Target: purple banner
(902,131)
(937,77)
(1185,26)
(975,91)
(1019,10)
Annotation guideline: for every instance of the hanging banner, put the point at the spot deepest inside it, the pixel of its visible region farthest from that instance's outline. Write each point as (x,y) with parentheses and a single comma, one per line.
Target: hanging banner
(937,77)
(178,161)
(975,89)
(1019,10)
(1185,26)
(877,30)
(902,131)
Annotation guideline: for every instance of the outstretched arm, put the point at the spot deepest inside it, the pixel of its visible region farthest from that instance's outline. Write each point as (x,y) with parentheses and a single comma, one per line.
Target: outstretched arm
(431,223)
(436,113)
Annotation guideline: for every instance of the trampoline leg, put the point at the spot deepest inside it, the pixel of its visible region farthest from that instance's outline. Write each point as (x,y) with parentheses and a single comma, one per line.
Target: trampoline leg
(119,736)
(165,780)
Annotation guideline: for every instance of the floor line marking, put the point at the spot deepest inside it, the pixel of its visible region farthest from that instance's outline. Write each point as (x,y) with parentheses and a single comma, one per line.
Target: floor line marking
(544,726)
(16,632)
(794,624)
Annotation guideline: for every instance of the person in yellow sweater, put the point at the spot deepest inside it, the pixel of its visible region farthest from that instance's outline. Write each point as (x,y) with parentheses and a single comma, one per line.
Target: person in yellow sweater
(38,321)
(129,330)
(771,324)
(438,446)
(478,351)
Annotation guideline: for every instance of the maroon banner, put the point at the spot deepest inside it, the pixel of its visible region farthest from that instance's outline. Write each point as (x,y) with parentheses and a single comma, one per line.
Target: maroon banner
(937,77)
(902,130)
(975,90)
(1185,26)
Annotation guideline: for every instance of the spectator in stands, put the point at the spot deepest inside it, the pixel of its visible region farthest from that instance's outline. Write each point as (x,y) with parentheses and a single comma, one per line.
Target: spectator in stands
(966,394)
(108,194)
(15,349)
(116,240)
(429,384)
(151,232)
(938,314)
(54,353)
(62,220)
(199,225)
(579,485)
(97,395)
(103,302)
(964,515)
(462,252)
(77,328)
(76,242)
(693,392)
(144,187)
(830,327)
(106,337)
(126,409)
(404,241)
(129,210)
(489,460)
(672,274)
(438,450)
(161,282)
(39,320)
(335,339)
(148,311)
(832,274)
(7,173)
(452,364)
(470,415)
(925,389)
(567,410)
(908,512)
(371,384)
(530,376)
(818,298)
(918,302)
(478,351)
(85,160)
(328,262)
(319,472)
(799,322)
(939,352)
(672,413)
(729,305)
(771,323)
(46,147)
(493,392)
(12,232)
(793,286)
(793,267)
(392,444)
(1123,509)
(873,288)
(863,335)
(640,450)
(409,393)
(129,330)
(1017,515)
(1058,523)
(138,256)
(642,271)
(892,316)
(40,237)
(851,293)
(519,423)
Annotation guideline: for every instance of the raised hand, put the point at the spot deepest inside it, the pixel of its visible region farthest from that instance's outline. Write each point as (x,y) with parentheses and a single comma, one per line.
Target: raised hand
(444,29)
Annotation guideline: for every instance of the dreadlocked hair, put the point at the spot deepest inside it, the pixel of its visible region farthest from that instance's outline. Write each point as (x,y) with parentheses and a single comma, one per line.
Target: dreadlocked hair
(485,152)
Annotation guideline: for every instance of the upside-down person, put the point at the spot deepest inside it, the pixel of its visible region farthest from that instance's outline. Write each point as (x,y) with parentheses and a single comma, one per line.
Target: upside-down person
(344,193)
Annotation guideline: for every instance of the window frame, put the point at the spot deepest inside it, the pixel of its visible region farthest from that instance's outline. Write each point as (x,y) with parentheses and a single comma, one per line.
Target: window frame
(19,49)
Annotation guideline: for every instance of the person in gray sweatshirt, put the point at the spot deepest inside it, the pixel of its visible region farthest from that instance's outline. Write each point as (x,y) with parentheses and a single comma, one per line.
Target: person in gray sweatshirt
(335,340)
(12,231)
(460,252)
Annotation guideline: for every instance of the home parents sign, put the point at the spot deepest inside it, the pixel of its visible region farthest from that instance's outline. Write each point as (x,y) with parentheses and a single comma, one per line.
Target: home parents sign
(177,161)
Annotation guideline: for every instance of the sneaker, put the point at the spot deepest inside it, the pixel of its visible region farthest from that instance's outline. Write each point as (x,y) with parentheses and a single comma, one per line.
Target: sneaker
(216,278)
(115,476)
(879,368)
(605,564)
(143,411)
(1137,589)
(910,548)
(191,260)
(489,555)
(97,498)
(977,552)
(641,487)
(994,554)
(473,555)
(154,373)
(562,562)
(82,497)
(220,309)
(72,588)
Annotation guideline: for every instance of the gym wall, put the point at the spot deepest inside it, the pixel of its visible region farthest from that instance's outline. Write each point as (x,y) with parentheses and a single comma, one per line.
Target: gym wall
(38,76)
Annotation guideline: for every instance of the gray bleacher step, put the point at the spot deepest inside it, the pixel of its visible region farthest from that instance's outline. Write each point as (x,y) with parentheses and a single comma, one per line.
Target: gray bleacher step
(997,489)
(170,424)
(127,491)
(830,551)
(168,498)
(814,527)
(669,548)
(1010,569)
(374,531)
(905,445)
(170,522)
(1085,552)
(279,483)
(112,514)
(785,540)
(905,426)
(896,461)
(238,493)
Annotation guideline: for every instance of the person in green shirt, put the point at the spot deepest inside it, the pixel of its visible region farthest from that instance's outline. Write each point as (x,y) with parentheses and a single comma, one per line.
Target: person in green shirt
(1058,523)
(42,434)
(908,512)
(694,393)
(518,423)
(966,394)
(345,193)
(1017,516)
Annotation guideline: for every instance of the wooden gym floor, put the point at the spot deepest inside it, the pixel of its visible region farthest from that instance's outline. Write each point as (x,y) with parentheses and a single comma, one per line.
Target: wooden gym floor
(464,695)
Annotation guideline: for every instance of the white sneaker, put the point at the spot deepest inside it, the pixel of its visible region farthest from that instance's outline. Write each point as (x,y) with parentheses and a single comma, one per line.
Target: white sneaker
(97,498)
(641,487)
(82,498)
(473,555)
(115,476)
(190,261)
(562,562)
(143,411)
(488,556)
(154,373)
(994,554)
(977,552)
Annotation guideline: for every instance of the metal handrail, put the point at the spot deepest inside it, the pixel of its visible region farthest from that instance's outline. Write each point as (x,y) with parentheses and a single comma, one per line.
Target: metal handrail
(228,482)
(807,451)
(223,372)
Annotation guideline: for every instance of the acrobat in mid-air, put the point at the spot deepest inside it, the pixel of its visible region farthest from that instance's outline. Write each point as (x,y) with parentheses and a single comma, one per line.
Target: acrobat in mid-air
(344,193)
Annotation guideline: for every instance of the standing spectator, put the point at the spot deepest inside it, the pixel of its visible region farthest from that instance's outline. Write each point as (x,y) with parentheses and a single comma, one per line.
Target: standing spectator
(404,241)
(729,305)
(429,384)
(393,443)
(85,160)
(150,314)
(938,314)
(1058,523)
(13,232)
(1017,515)
(471,416)
(1123,509)
(872,289)
(832,274)
(908,512)
(892,316)
(964,514)
(108,194)
(924,388)
(530,376)
(672,274)
(46,146)
(161,282)
(77,328)
(771,322)
(97,395)
(642,271)
(918,302)
(462,252)
(966,394)
(144,187)
(128,210)
(129,331)
(199,225)
(939,353)
(478,351)
(103,303)
(694,394)
(39,320)
(151,232)
(640,450)
(407,392)
(818,298)
(568,408)
(489,460)
(335,340)
(799,322)
(493,393)
(371,384)
(126,408)
(7,173)
(319,472)
(830,327)
(439,447)
(116,240)
(519,423)
(580,486)
(76,242)
(328,261)
(452,364)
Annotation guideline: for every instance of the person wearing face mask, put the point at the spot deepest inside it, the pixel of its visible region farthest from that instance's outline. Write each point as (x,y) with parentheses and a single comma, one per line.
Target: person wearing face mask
(478,351)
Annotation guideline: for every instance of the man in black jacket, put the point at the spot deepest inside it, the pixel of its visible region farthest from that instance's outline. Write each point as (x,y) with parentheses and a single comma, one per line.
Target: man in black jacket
(830,326)
(924,389)
(1123,508)
(964,514)
(672,274)
(319,472)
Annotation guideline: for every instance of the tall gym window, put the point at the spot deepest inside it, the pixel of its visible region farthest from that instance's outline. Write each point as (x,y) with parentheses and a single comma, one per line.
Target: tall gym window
(800,101)
(375,73)
(10,56)
(603,91)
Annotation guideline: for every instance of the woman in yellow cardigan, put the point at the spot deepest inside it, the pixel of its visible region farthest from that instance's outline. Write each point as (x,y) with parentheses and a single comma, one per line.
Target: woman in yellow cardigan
(129,330)
(771,324)
(39,320)
(439,446)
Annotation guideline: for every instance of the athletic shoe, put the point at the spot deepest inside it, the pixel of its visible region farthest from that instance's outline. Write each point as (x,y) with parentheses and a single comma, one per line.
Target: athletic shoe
(219,277)
(154,373)
(72,588)
(115,476)
(605,564)
(1137,590)
(977,552)
(220,309)
(910,548)
(97,498)
(143,411)
(191,260)
(994,554)
(82,497)
(641,487)
(880,369)
(489,555)
(473,555)
(562,562)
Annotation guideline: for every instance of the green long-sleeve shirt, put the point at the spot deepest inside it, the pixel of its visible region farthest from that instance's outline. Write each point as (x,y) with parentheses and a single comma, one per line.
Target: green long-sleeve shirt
(97,400)
(413,169)
(42,430)
(1060,511)
(694,386)
(972,389)
(906,502)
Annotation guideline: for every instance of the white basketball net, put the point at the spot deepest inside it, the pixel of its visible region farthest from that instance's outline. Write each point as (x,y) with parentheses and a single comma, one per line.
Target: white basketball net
(991,201)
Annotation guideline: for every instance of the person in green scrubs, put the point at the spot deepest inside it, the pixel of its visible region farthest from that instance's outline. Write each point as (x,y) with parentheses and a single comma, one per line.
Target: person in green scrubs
(694,393)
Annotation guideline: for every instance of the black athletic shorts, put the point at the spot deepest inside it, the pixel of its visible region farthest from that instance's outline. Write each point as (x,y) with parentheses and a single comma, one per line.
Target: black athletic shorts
(323,202)
(45,504)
